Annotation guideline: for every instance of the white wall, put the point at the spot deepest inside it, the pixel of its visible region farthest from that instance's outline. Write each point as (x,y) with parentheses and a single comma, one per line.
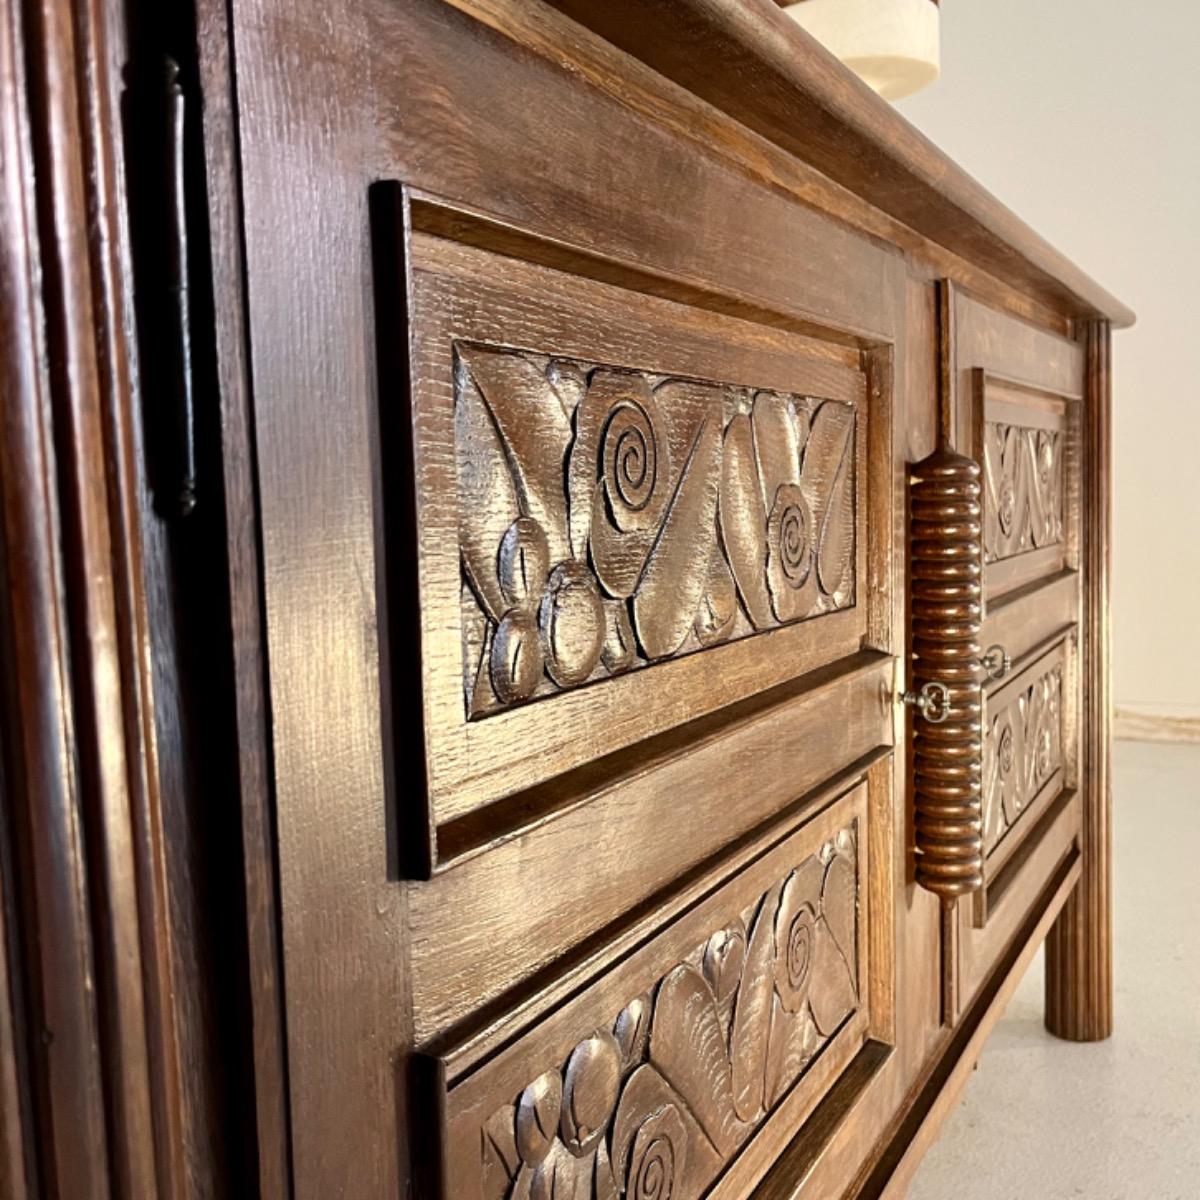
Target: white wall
(1083,116)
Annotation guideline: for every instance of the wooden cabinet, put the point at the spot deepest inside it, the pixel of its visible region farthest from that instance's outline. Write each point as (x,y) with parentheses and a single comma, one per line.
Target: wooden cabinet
(644,619)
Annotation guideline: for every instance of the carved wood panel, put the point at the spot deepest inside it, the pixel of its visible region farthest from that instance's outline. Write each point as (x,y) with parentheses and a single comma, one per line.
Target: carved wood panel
(577,482)
(611,518)
(654,1090)
(1023,472)
(1022,752)
(1027,441)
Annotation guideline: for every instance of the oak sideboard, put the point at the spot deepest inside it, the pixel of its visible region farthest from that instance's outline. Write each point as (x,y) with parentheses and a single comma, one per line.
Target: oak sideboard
(555,608)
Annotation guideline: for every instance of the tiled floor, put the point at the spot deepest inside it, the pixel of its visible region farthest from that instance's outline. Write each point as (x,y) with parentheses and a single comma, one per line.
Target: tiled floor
(1043,1119)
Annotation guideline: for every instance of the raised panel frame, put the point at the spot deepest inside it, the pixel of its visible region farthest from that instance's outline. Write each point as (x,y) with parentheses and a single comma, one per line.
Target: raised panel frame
(1026,440)
(1049,673)
(491,1092)
(460,283)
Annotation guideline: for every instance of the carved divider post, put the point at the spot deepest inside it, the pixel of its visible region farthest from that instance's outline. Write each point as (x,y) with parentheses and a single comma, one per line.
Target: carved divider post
(947,614)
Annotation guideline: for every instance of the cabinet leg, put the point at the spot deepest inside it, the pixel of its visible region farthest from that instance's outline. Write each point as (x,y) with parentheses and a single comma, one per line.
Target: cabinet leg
(1079,977)
(1079,982)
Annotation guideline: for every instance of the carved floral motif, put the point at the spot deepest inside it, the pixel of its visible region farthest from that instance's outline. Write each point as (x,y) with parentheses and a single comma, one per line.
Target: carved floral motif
(1022,749)
(655,1105)
(1023,474)
(612,518)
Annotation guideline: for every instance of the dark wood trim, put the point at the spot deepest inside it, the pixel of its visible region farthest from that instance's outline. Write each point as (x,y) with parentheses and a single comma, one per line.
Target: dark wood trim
(124,943)
(215,65)
(1079,974)
(781,83)
(41,803)
(17,1153)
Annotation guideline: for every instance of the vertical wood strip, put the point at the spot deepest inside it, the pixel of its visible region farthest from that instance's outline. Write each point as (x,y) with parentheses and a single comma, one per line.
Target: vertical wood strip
(65,223)
(40,783)
(1079,983)
(16,1133)
(947,408)
(214,43)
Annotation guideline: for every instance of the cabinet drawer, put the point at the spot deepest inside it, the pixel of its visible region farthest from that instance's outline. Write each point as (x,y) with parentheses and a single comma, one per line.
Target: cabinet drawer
(725,1027)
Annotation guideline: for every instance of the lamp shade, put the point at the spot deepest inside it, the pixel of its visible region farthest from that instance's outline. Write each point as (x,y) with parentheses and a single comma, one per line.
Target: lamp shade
(893,45)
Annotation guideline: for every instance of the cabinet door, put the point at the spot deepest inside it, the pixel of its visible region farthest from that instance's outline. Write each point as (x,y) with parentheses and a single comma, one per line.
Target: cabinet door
(1017,408)
(578,509)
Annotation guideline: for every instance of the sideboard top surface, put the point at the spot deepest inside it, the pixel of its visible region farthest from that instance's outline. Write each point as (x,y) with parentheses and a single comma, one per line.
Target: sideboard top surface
(752,62)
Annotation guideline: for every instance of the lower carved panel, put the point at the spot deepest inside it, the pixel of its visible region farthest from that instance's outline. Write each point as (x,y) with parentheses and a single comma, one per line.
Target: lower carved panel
(658,1097)
(1023,750)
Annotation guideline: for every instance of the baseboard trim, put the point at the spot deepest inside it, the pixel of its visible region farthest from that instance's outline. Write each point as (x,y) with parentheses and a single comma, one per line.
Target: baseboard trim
(1131,725)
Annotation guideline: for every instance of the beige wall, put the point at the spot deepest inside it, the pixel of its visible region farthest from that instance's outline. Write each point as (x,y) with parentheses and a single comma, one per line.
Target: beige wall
(1083,116)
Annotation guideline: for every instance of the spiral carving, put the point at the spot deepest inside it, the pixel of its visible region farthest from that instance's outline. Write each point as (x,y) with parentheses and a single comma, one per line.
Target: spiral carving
(798,954)
(947,614)
(630,466)
(653,1174)
(787,536)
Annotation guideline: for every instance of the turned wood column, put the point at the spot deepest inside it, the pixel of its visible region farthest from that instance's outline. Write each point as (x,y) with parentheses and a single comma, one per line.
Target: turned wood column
(1079,983)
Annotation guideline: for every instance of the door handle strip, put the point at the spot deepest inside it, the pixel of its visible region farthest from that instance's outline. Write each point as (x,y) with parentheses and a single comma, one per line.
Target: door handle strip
(946,589)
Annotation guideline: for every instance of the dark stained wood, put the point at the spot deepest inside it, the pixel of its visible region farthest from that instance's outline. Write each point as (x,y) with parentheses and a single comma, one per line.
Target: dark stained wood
(945,547)
(40,779)
(243,541)
(780,82)
(500,783)
(115,896)
(18,1158)
(717,1020)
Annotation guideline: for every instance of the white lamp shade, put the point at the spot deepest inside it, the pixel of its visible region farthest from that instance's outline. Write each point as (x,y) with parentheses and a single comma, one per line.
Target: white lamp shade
(893,45)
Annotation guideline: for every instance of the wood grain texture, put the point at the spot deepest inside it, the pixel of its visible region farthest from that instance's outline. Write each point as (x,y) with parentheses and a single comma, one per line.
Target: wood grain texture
(637,566)
(1079,981)
(1027,439)
(947,612)
(42,820)
(806,102)
(251,703)
(731,1029)
(98,878)
(653,1080)
(530,486)
(510,910)
(17,1155)
(584,807)
(1024,478)
(344,976)
(927,1110)
(1022,749)
(1137,726)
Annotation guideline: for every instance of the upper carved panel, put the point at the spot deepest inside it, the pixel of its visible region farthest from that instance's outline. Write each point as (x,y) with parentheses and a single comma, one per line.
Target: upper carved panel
(1023,473)
(1022,749)
(656,1103)
(612,518)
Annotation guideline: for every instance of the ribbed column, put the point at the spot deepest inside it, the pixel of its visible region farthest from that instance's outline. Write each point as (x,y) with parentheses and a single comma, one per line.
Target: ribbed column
(947,613)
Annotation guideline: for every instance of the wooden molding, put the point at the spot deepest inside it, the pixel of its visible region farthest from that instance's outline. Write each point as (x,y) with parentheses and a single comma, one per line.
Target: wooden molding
(1079,967)
(1132,725)
(806,102)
